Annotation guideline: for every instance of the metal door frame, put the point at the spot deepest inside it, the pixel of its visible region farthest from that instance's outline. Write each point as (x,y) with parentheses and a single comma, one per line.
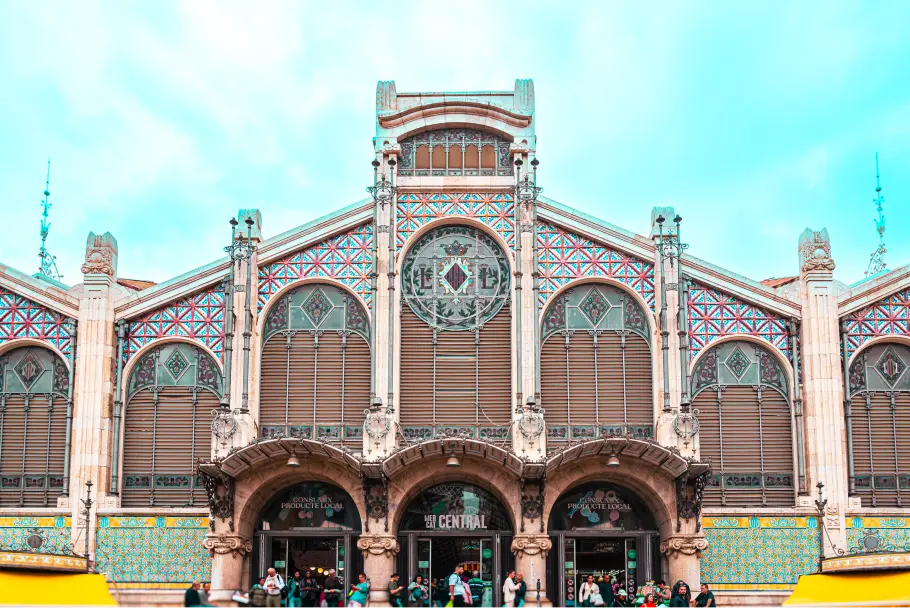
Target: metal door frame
(264,539)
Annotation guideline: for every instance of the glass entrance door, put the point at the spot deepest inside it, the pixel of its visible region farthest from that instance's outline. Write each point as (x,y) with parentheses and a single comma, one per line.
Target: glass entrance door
(437,558)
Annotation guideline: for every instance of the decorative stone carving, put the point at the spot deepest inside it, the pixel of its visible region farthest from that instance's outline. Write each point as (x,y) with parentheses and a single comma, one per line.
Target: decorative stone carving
(100,254)
(378,544)
(815,250)
(531,424)
(531,544)
(376,498)
(222,544)
(686,544)
(220,493)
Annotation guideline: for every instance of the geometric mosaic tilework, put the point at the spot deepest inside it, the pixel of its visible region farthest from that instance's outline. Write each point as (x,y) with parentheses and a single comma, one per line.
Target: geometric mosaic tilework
(14,532)
(889,316)
(153,549)
(346,257)
(198,317)
(23,318)
(892,531)
(496,210)
(564,256)
(788,547)
(713,314)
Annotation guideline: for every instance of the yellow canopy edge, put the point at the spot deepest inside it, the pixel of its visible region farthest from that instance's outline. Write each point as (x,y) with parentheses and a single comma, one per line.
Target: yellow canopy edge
(24,587)
(852,589)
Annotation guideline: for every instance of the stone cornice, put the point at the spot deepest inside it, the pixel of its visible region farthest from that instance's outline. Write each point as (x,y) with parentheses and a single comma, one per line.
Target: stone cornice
(869,292)
(473,108)
(41,292)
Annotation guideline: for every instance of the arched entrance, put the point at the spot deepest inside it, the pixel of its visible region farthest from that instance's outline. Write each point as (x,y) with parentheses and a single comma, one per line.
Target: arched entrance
(602,529)
(457,524)
(311,525)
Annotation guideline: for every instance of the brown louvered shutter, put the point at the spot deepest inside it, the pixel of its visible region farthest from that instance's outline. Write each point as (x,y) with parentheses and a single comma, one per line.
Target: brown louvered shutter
(273,382)
(138,428)
(709,439)
(862,462)
(582,374)
(301,381)
(329,379)
(777,448)
(554,385)
(416,383)
(11,450)
(455,378)
(610,379)
(639,385)
(496,370)
(356,383)
(880,456)
(742,451)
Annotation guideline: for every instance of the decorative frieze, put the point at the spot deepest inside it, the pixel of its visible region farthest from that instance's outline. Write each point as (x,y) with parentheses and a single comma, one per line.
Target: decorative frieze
(531,544)
(222,544)
(378,544)
(685,544)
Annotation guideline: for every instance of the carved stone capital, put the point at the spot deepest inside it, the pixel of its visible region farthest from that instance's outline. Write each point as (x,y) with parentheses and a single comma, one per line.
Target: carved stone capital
(685,544)
(531,544)
(100,255)
(815,251)
(378,544)
(223,544)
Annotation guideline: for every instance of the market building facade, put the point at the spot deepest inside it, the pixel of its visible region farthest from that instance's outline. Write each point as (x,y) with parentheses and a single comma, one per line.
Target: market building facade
(455,370)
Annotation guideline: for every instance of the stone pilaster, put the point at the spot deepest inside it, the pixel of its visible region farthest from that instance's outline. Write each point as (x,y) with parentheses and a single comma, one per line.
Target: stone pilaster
(683,552)
(379,551)
(822,383)
(531,561)
(666,346)
(228,552)
(94,383)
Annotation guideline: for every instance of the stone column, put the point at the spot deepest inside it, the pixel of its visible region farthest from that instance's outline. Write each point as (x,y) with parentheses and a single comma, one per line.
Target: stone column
(822,381)
(228,551)
(666,347)
(94,384)
(379,551)
(531,561)
(683,552)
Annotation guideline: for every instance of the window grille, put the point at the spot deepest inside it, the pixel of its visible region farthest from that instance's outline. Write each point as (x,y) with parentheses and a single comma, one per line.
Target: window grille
(466,152)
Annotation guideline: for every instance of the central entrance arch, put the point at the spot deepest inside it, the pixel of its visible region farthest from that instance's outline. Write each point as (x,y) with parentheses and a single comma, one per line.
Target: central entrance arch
(457,524)
(603,529)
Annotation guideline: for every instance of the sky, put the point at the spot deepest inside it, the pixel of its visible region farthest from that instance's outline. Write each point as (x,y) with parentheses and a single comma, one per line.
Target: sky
(754,120)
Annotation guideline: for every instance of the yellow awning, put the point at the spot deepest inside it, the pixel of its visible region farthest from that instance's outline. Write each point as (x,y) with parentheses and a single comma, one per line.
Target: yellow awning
(53,588)
(852,589)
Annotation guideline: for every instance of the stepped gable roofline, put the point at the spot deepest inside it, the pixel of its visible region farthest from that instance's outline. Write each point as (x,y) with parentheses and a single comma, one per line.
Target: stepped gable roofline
(193,281)
(509,113)
(39,290)
(872,289)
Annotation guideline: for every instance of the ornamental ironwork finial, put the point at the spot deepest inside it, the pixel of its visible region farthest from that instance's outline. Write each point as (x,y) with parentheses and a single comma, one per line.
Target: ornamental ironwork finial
(48,263)
(877,259)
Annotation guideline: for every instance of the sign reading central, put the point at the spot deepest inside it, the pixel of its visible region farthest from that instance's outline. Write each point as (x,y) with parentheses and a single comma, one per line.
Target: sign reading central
(455,278)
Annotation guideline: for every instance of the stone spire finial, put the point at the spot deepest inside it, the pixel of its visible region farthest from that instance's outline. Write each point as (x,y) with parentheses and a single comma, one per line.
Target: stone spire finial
(242,214)
(815,251)
(100,264)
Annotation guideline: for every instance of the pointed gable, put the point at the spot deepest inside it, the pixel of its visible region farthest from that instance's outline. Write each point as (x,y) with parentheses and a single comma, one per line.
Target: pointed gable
(21,317)
(890,316)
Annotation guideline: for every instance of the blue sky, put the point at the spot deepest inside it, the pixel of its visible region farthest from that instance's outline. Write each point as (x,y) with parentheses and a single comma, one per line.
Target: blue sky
(755,120)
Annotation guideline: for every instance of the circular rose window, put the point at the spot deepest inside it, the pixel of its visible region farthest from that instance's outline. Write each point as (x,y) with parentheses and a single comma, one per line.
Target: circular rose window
(455,278)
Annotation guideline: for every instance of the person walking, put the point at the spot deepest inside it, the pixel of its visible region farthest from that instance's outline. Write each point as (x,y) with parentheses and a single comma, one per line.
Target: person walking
(508,589)
(273,586)
(333,589)
(475,584)
(294,596)
(359,592)
(257,593)
(521,590)
(191,597)
(682,597)
(606,590)
(705,598)
(588,590)
(620,599)
(456,587)
(418,592)
(395,590)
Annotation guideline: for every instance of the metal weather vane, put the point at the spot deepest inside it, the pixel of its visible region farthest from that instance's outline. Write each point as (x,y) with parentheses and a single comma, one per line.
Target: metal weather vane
(48,265)
(877,259)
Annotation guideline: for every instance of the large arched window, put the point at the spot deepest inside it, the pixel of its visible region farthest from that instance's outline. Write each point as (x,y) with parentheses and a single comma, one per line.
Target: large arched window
(741,394)
(171,394)
(456,352)
(455,152)
(315,374)
(878,416)
(595,365)
(33,427)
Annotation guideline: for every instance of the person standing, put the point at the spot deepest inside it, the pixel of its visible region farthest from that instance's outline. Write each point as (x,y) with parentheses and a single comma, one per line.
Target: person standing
(191,597)
(418,592)
(309,590)
(294,595)
(606,590)
(456,587)
(521,590)
(395,590)
(359,592)
(620,599)
(257,593)
(475,584)
(588,590)
(273,586)
(682,597)
(705,598)
(333,589)
(508,589)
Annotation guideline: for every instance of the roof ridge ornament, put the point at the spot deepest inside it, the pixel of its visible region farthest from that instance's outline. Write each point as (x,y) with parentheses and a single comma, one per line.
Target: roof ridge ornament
(877,258)
(48,263)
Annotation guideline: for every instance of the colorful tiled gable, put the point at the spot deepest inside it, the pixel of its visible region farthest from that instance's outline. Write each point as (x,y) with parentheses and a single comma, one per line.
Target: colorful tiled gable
(55,530)
(198,317)
(713,314)
(888,317)
(346,257)
(24,318)
(153,549)
(496,210)
(564,256)
(788,546)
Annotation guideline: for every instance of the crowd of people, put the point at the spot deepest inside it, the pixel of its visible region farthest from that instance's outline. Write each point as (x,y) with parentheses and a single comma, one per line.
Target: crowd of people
(603,592)
(456,590)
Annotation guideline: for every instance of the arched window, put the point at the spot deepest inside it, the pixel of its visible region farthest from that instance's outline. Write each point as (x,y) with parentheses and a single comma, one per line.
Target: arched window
(878,418)
(167,426)
(33,427)
(595,365)
(741,394)
(455,152)
(456,353)
(315,378)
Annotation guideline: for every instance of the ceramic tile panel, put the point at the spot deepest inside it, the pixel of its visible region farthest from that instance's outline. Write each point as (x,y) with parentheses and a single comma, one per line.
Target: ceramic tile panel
(24,318)
(54,532)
